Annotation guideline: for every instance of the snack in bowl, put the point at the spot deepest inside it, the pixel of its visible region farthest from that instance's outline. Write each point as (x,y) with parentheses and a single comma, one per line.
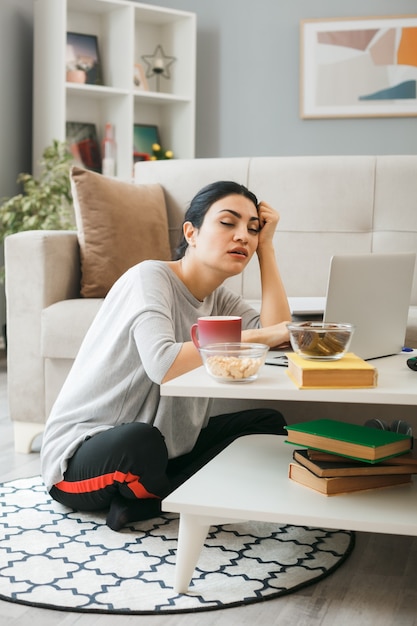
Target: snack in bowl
(320,340)
(239,362)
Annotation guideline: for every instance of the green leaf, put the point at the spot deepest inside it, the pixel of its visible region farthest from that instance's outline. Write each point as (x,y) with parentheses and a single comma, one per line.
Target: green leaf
(46,202)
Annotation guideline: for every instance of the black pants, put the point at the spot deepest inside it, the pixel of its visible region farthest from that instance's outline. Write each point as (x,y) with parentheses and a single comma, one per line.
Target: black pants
(131,460)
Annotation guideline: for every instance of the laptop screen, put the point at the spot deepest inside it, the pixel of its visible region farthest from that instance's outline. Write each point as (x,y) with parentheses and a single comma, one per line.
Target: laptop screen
(371,291)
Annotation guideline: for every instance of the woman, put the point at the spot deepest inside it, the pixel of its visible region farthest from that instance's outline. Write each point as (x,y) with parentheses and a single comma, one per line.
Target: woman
(111,441)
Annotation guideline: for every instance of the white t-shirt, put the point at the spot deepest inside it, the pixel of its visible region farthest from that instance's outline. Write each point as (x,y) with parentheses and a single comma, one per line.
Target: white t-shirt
(130,346)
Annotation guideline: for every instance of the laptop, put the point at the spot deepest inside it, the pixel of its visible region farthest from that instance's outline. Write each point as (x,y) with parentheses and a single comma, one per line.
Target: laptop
(307,305)
(372,291)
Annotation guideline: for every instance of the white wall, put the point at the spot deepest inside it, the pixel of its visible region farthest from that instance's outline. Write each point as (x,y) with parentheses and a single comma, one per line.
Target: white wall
(247,84)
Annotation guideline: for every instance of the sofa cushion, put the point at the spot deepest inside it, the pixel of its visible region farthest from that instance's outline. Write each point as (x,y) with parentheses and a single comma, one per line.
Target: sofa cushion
(64,325)
(119,224)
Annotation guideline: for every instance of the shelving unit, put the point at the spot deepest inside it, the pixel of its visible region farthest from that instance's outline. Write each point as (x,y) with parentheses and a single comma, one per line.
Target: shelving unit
(125,31)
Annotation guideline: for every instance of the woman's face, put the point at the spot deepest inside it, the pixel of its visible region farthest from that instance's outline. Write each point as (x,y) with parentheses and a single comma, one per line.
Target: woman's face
(228,236)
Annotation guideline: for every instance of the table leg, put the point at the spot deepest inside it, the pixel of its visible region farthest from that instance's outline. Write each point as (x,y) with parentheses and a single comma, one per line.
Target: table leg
(193,530)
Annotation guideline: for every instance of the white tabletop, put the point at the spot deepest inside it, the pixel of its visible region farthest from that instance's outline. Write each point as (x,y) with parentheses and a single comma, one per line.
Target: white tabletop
(249,481)
(397,385)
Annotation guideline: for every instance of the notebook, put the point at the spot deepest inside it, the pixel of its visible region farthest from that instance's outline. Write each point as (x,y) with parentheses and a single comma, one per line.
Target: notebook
(371,291)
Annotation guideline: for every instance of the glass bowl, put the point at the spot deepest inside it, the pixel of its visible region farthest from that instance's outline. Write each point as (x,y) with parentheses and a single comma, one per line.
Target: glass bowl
(322,341)
(234,362)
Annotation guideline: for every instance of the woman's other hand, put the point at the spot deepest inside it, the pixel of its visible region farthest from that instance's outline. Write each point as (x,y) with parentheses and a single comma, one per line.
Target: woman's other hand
(269,219)
(273,336)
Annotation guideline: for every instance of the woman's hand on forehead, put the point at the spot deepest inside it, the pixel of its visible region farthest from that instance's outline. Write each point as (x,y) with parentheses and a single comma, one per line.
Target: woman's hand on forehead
(269,219)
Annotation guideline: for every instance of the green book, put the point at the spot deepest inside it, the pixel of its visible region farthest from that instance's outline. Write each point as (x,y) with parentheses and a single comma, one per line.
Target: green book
(349,440)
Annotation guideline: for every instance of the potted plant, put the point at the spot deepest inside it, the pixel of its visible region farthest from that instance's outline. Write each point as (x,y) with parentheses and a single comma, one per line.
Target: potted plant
(77,70)
(46,202)
(76,75)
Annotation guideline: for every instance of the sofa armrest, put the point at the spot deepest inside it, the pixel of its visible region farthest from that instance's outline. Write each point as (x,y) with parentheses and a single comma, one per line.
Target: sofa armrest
(41,268)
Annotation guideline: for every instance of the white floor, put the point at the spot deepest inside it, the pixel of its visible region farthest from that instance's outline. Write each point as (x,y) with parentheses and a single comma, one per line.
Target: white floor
(376,586)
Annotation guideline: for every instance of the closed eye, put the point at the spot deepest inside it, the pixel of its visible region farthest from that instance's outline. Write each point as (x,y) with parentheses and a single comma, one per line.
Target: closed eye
(251,229)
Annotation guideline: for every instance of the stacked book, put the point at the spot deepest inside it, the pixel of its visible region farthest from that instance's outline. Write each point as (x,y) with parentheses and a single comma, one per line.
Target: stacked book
(338,457)
(348,372)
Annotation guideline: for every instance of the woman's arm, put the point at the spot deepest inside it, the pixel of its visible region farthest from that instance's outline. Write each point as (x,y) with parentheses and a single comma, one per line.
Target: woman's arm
(275,312)
(188,358)
(274,308)
(273,336)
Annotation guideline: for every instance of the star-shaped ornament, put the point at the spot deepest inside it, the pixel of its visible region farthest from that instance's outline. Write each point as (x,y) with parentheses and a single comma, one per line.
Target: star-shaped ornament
(158,63)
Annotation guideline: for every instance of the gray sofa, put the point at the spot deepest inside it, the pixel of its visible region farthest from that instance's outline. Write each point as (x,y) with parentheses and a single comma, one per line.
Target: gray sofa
(328,205)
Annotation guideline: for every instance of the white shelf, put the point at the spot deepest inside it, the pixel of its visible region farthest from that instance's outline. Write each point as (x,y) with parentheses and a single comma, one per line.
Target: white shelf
(125,32)
(160,98)
(95,91)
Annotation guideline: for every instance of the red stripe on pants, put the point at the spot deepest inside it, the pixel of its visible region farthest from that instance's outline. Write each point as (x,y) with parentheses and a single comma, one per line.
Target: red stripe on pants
(100,482)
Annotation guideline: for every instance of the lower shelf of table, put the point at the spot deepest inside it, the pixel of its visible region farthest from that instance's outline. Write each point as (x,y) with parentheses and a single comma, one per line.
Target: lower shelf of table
(249,481)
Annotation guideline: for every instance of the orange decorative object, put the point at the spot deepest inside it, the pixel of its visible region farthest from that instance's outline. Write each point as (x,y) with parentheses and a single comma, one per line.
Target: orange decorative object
(76,76)
(407,50)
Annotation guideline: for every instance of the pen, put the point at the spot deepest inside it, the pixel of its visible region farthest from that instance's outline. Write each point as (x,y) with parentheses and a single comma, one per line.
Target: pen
(282,361)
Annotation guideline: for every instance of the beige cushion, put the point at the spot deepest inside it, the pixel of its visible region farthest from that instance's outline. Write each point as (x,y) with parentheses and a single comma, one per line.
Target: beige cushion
(119,224)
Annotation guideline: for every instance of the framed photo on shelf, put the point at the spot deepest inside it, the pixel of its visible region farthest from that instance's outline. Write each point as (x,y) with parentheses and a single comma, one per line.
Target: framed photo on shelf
(144,135)
(83,59)
(140,156)
(83,142)
(358,67)
(140,81)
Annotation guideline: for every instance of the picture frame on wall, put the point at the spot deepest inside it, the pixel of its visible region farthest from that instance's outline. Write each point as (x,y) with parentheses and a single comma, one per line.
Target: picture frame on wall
(83,60)
(358,67)
(144,136)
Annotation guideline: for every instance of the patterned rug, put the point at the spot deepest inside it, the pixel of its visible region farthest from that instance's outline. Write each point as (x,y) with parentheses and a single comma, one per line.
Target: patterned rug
(54,558)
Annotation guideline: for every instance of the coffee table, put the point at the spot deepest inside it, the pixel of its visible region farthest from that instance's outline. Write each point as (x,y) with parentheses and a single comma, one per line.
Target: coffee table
(397,384)
(249,479)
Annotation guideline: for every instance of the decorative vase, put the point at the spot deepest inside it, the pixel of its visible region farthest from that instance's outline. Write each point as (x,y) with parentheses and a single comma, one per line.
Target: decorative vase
(76,76)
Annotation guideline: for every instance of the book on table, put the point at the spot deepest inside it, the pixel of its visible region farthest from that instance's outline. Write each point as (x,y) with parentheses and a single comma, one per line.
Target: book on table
(340,466)
(348,372)
(408,458)
(338,485)
(349,440)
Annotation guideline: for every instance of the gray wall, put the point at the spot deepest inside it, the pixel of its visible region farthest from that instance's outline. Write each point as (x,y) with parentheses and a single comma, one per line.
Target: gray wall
(247,84)
(16,30)
(16,36)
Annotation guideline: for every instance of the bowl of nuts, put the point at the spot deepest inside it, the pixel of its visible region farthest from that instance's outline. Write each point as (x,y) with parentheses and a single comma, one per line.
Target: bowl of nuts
(234,362)
(321,341)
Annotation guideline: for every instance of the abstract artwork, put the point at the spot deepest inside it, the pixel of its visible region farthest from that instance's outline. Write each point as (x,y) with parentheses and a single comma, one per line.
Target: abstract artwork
(359,67)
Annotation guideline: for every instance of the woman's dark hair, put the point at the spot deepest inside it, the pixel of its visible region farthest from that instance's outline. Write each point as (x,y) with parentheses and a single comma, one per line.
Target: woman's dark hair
(203,200)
